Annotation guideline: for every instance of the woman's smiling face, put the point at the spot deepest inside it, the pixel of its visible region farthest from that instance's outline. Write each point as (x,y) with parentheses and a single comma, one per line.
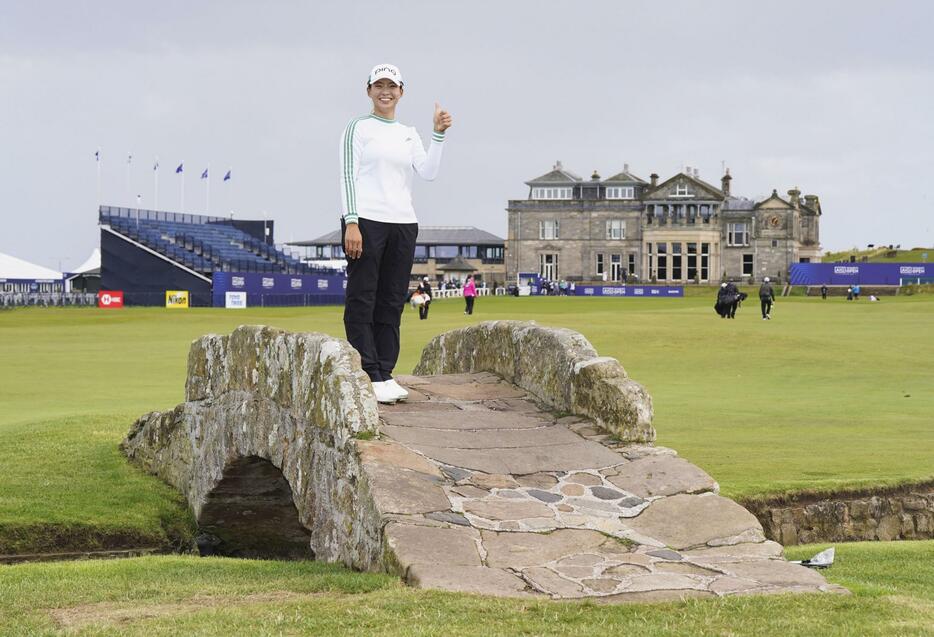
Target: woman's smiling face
(385,95)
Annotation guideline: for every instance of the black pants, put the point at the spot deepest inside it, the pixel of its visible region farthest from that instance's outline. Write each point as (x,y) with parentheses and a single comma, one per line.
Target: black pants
(377,286)
(423,310)
(766,306)
(469,301)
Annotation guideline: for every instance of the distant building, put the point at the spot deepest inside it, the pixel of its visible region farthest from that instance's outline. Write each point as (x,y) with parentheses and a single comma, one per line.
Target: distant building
(680,230)
(441,253)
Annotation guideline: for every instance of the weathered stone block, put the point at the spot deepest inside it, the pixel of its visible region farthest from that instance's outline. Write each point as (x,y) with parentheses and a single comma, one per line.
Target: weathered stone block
(559,366)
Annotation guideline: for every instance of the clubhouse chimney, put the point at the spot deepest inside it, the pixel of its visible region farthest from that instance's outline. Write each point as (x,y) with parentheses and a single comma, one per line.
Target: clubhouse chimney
(794,196)
(725,183)
(654,178)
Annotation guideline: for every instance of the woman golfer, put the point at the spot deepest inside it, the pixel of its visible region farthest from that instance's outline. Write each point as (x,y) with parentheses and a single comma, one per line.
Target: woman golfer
(378,157)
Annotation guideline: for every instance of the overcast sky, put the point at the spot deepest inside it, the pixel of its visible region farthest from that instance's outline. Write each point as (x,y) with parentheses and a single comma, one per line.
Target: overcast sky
(834,97)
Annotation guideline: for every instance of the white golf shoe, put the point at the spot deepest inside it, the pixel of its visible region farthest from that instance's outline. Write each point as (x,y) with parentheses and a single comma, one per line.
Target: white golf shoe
(401,393)
(384,393)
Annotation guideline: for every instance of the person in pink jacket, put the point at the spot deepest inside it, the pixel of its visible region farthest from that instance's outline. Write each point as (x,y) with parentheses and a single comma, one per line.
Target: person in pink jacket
(470,293)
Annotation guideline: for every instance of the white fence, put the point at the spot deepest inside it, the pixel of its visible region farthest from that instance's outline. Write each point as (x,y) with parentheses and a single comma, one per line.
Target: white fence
(457,293)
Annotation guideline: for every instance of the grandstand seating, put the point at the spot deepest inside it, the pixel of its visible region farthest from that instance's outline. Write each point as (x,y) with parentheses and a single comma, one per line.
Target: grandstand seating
(202,243)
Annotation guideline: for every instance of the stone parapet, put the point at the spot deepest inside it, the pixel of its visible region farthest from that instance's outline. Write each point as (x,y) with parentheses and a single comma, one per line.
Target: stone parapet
(890,514)
(559,366)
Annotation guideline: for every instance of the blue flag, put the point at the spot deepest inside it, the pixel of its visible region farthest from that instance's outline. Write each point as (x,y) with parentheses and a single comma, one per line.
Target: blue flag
(97,155)
(180,167)
(155,166)
(227,176)
(204,175)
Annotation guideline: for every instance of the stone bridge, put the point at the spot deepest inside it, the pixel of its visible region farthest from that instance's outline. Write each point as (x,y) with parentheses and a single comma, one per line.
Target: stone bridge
(521,465)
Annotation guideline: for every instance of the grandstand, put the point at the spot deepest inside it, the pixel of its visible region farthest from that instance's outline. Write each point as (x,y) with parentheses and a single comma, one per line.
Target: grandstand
(146,252)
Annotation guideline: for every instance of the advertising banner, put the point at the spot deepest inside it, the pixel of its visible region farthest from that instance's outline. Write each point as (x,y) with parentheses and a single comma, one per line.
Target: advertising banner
(278,289)
(655,291)
(110,299)
(176,299)
(861,273)
(235,300)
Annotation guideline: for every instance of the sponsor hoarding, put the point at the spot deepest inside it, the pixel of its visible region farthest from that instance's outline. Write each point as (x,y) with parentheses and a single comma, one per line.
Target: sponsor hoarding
(656,291)
(176,299)
(235,300)
(860,273)
(110,299)
(278,289)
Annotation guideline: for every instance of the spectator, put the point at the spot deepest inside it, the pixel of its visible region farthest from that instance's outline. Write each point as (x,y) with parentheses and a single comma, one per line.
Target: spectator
(766,298)
(470,293)
(424,288)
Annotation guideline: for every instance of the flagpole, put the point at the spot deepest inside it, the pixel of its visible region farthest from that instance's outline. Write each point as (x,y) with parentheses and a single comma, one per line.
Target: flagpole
(155,184)
(98,157)
(182,205)
(129,160)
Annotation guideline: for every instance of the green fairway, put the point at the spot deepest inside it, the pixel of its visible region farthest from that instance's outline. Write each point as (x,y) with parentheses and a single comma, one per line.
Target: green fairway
(892,585)
(827,395)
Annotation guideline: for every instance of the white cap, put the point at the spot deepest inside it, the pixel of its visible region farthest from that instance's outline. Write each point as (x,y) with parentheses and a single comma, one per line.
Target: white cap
(723,285)
(766,279)
(385,71)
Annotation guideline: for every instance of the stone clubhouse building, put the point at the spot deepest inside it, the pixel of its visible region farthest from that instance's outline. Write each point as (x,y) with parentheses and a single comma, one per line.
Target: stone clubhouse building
(681,230)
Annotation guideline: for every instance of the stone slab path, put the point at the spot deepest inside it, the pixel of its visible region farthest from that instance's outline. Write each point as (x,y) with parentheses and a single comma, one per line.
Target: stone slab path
(483,491)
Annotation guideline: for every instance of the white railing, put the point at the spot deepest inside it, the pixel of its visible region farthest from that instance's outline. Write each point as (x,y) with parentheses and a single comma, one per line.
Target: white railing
(455,293)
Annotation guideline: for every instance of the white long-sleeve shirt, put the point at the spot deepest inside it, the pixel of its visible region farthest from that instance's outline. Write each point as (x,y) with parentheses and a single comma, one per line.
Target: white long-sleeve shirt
(378,158)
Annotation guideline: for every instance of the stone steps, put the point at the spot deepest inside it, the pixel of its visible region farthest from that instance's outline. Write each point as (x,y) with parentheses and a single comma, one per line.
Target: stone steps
(482,490)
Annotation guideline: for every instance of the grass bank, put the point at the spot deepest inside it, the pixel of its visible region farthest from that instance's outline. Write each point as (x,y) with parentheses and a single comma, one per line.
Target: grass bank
(892,585)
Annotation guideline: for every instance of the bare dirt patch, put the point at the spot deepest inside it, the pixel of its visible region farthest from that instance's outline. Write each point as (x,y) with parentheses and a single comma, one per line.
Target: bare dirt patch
(120,613)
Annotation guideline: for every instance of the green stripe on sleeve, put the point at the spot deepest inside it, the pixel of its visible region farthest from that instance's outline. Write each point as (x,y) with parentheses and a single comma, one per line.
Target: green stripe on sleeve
(350,191)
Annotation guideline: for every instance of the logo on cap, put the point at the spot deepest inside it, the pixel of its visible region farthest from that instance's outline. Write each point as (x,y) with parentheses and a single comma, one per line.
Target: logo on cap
(385,71)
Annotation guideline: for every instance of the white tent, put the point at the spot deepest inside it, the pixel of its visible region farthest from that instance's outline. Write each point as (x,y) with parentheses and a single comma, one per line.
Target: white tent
(12,268)
(93,262)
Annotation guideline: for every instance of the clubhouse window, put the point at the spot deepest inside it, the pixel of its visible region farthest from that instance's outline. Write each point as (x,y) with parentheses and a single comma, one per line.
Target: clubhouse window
(692,261)
(551,193)
(737,234)
(548,229)
(443,252)
(747,265)
(621,192)
(615,229)
(675,261)
(600,267)
(632,263)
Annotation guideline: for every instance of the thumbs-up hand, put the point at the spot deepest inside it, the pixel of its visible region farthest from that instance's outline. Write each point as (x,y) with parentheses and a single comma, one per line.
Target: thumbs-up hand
(442,119)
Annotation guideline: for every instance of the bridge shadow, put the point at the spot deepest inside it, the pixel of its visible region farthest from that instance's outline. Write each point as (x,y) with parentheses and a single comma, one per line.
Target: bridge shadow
(250,514)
